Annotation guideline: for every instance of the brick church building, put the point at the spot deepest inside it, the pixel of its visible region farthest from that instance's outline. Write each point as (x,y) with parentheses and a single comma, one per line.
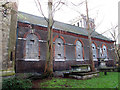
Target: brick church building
(70,44)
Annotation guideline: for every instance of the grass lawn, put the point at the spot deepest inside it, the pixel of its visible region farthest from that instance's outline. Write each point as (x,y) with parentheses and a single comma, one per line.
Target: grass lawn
(108,81)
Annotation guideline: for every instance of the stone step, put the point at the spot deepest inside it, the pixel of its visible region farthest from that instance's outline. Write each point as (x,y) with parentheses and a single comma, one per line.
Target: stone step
(81,75)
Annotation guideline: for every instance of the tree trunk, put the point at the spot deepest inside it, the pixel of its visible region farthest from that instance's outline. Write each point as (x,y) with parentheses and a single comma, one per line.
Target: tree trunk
(90,42)
(116,54)
(49,57)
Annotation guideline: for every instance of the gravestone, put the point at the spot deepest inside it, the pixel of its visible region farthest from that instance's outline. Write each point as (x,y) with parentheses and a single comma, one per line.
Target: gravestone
(102,64)
(82,68)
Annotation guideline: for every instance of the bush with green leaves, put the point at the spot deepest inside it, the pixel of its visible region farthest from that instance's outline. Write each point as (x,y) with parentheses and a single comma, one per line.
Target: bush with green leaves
(15,82)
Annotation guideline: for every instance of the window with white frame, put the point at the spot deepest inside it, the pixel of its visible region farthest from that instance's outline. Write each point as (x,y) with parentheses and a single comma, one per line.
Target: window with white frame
(32,47)
(59,50)
(94,52)
(104,51)
(79,51)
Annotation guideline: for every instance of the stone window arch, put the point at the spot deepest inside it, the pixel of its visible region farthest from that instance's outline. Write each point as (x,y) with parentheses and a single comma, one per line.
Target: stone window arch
(59,50)
(104,49)
(32,47)
(94,52)
(79,51)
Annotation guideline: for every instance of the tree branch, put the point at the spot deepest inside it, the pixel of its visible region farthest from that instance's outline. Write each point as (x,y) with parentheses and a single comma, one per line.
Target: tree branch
(103,32)
(40,9)
(56,6)
(78,4)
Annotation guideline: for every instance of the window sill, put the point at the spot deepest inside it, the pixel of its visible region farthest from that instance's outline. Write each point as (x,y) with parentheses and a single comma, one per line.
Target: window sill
(31,59)
(79,59)
(60,59)
(95,59)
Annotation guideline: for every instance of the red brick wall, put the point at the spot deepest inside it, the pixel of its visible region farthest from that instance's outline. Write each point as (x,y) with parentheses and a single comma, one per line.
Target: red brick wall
(70,59)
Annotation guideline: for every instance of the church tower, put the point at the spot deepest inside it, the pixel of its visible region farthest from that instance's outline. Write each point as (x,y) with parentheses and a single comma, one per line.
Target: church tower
(8,27)
(81,21)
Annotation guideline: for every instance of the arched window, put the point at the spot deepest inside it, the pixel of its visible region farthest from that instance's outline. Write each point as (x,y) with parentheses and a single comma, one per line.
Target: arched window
(104,52)
(79,51)
(94,52)
(59,50)
(32,48)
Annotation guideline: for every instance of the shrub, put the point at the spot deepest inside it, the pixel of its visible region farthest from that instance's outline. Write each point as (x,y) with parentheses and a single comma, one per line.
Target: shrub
(13,83)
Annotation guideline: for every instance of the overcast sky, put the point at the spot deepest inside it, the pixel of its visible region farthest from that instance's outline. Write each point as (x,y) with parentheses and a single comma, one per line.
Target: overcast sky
(105,12)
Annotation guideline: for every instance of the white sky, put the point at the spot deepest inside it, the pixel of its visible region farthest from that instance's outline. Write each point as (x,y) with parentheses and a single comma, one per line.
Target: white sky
(105,12)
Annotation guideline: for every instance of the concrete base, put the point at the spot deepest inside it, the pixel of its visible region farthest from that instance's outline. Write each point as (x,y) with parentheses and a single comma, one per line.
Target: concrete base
(84,77)
(81,75)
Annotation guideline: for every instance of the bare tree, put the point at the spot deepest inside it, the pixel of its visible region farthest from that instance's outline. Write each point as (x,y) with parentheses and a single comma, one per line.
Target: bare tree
(49,57)
(50,21)
(90,41)
(115,37)
(89,32)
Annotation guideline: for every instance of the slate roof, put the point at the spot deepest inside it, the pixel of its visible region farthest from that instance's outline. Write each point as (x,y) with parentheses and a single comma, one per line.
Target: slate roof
(25,17)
